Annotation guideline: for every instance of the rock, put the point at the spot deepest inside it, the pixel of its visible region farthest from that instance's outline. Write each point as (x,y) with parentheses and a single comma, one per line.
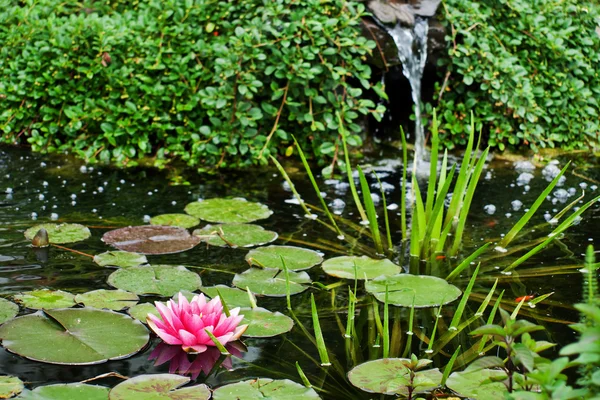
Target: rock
(403,12)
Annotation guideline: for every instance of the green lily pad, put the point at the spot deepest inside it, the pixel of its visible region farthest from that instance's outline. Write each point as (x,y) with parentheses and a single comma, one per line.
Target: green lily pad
(366,267)
(10,386)
(265,388)
(427,291)
(391,376)
(74,336)
(478,383)
(265,323)
(228,211)
(271,282)
(237,235)
(110,299)
(151,239)
(296,258)
(121,259)
(46,299)
(158,387)
(8,310)
(141,311)
(233,297)
(163,280)
(64,391)
(61,233)
(180,220)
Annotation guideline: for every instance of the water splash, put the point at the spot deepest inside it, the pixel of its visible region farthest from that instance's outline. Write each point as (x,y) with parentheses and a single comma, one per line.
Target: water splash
(412,52)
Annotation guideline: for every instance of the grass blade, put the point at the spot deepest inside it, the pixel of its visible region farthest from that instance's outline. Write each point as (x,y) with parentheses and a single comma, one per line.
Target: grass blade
(534,207)
(463,302)
(448,368)
(437,222)
(318,333)
(435,213)
(466,262)
(438,316)
(305,380)
(410,333)
(432,169)
(386,219)
(386,326)
(357,202)
(287,284)
(317,190)
(403,194)
(490,321)
(292,187)
(371,213)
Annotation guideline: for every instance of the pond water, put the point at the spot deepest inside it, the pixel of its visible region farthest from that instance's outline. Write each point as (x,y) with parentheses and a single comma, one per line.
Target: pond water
(36,189)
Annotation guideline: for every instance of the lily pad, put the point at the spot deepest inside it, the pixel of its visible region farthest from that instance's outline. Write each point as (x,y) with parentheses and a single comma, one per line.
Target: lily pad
(163,280)
(180,220)
(228,211)
(74,336)
(111,299)
(366,267)
(10,386)
(296,258)
(141,311)
(427,291)
(271,282)
(151,239)
(265,388)
(478,383)
(121,259)
(46,299)
(61,233)
(233,297)
(236,235)
(265,323)
(158,387)
(391,376)
(64,391)
(8,310)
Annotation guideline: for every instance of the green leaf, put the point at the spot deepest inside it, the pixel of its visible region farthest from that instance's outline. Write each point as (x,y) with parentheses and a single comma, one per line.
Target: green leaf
(265,323)
(180,220)
(265,388)
(271,282)
(61,233)
(405,290)
(110,299)
(63,391)
(236,235)
(159,387)
(235,210)
(296,258)
(46,299)
(121,259)
(362,267)
(8,310)
(162,280)
(10,386)
(233,297)
(480,384)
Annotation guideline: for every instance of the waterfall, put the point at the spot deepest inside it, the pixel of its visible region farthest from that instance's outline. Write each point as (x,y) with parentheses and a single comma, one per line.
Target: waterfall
(412,52)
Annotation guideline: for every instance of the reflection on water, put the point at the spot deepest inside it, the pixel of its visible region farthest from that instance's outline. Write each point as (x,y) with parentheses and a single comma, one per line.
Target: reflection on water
(36,189)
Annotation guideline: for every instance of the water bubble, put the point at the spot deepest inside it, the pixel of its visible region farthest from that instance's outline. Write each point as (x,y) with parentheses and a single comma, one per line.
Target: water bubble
(84,184)
(73,202)
(146,218)
(593,187)
(150,193)
(561,195)
(42,164)
(45,184)
(524,178)
(489,208)
(583,185)
(508,215)
(488,176)
(94,210)
(41,197)
(524,166)
(286,186)
(53,216)
(341,188)
(331,181)
(122,181)
(547,216)
(376,198)
(571,191)
(73,196)
(323,194)
(100,189)
(173,203)
(516,205)
(387,187)
(83,169)
(392,206)
(293,200)
(118,189)
(338,206)
(8,190)
(34,215)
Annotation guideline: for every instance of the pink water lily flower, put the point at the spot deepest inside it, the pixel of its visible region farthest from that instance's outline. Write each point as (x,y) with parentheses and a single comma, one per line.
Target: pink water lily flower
(185,323)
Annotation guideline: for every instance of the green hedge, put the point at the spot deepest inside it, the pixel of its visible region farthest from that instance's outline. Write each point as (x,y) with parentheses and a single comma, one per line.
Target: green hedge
(215,83)
(528,69)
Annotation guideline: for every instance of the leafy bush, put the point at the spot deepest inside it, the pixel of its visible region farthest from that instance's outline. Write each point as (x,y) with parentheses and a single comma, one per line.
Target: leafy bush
(528,69)
(215,83)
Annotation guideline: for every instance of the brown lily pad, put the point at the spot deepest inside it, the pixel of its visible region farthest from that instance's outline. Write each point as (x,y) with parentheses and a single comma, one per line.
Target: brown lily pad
(151,239)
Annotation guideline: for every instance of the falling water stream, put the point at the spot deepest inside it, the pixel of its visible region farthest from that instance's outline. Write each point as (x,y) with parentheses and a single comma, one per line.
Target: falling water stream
(412,52)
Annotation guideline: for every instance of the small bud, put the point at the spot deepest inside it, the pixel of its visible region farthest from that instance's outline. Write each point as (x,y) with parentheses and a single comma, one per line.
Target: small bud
(40,239)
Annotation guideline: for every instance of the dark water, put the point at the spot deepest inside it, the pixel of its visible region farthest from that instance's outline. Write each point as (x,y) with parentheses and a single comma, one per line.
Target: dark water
(42,185)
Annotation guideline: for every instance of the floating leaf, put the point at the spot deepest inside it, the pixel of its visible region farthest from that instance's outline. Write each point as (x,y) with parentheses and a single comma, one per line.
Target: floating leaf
(478,384)
(265,323)
(265,388)
(296,258)
(46,299)
(121,259)
(391,376)
(228,211)
(8,310)
(236,235)
(151,239)
(141,311)
(233,297)
(61,233)
(111,299)
(180,220)
(10,386)
(163,280)
(74,336)
(366,267)
(427,291)
(63,391)
(271,282)
(158,387)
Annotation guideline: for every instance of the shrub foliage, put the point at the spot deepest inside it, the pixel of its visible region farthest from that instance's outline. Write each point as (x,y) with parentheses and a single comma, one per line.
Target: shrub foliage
(215,83)
(528,69)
